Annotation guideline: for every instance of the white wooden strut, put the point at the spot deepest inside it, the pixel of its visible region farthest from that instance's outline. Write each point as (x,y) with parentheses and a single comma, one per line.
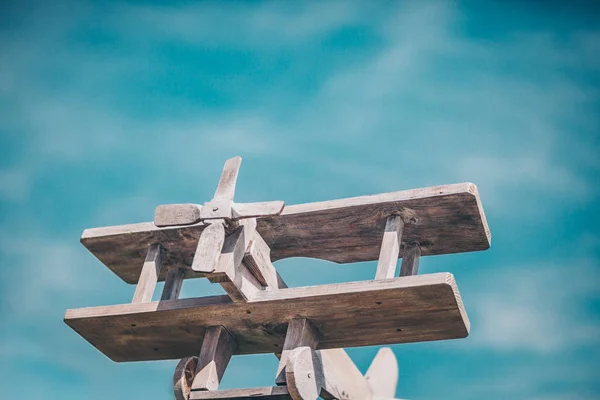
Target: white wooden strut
(149,275)
(390,248)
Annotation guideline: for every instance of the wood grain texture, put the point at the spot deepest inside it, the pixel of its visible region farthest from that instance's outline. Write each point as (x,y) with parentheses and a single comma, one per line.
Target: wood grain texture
(149,275)
(390,248)
(400,310)
(239,283)
(226,187)
(257,259)
(177,214)
(217,348)
(303,374)
(262,393)
(300,333)
(410,260)
(254,210)
(173,284)
(382,375)
(450,219)
(208,250)
(183,377)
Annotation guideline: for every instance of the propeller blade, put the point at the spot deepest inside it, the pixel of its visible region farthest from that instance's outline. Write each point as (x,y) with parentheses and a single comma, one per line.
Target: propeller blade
(209,248)
(226,187)
(382,375)
(176,214)
(254,210)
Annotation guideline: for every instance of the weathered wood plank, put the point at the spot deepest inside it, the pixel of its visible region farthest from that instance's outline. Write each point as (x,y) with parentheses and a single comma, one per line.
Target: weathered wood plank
(208,250)
(254,210)
(217,348)
(177,214)
(382,375)
(449,220)
(390,248)
(173,284)
(226,187)
(400,310)
(410,260)
(149,275)
(262,393)
(300,333)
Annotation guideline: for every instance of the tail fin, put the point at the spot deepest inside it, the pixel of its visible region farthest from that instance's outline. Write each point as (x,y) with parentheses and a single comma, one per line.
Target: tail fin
(382,375)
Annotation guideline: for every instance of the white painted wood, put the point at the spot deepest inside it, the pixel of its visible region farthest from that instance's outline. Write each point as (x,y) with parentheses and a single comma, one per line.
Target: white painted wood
(254,210)
(239,283)
(341,378)
(300,333)
(210,245)
(226,187)
(382,375)
(303,374)
(176,214)
(327,373)
(257,259)
(149,276)
(390,248)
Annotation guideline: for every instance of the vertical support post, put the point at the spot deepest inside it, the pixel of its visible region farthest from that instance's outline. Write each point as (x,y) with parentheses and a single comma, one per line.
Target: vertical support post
(217,348)
(149,275)
(410,259)
(390,247)
(173,284)
(300,333)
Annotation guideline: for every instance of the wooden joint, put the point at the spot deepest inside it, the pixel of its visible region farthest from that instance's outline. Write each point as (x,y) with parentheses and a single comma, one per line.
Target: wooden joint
(408,216)
(237,280)
(217,348)
(300,333)
(257,259)
(149,274)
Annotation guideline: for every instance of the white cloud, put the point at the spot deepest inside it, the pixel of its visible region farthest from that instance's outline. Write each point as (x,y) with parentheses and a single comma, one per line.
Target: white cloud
(269,25)
(537,308)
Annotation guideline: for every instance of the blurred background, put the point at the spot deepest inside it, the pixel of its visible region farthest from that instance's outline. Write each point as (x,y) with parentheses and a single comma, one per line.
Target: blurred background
(108,109)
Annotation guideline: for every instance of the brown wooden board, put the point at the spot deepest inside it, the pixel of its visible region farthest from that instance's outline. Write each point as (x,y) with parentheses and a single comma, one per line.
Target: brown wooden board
(449,219)
(399,310)
(262,393)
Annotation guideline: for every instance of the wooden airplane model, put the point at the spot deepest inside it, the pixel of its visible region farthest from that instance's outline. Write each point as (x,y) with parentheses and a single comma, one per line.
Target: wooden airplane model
(234,245)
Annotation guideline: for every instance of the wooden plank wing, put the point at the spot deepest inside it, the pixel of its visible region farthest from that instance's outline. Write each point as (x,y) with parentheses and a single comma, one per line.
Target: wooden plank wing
(399,310)
(446,219)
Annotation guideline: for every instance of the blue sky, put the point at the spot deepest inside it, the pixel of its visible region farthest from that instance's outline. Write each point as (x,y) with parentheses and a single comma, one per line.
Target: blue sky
(109,109)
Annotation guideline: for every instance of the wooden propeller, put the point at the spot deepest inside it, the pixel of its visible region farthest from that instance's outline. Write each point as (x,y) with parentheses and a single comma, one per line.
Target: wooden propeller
(220,215)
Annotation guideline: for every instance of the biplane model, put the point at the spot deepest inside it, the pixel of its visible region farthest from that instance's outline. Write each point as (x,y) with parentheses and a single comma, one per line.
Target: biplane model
(235,245)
